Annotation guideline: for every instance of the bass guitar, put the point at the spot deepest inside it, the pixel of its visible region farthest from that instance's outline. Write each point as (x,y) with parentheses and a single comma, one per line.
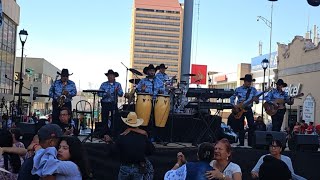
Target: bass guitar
(240,109)
(271,109)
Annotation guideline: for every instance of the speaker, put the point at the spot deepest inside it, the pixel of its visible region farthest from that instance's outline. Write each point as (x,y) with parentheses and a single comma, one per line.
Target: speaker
(305,142)
(262,139)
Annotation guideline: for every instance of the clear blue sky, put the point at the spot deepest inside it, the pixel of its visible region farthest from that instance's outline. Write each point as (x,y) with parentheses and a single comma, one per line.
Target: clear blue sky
(90,37)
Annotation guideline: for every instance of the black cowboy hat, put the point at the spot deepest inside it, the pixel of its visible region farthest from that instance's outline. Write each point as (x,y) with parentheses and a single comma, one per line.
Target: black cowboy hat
(151,66)
(110,71)
(248,77)
(64,73)
(161,66)
(281,83)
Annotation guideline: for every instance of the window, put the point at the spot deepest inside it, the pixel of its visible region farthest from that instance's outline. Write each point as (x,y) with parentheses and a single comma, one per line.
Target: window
(155,57)
(156,28)
(157,16)
(156,34)
(141,21)
(156,45)
(156,40)
(156,51)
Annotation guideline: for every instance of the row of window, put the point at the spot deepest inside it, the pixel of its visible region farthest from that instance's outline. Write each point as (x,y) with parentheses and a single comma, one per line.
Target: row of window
(156,45)
(155,57)
(157,22)
(159,11)
(36,77)
(158,16)
(156,40)
(8,35)
(140,61)
(157,28)
(155,51)
(156,34)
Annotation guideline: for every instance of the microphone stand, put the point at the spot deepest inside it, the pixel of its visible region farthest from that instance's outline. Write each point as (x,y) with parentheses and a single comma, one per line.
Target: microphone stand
(14,90)
(113,131)
(127,69)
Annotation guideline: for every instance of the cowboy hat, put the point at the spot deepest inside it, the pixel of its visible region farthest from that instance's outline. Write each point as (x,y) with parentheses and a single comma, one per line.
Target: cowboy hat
(64,72)
(110,71)
(132,120)
(161,66)
(280,82)
(145,70)
(248,77)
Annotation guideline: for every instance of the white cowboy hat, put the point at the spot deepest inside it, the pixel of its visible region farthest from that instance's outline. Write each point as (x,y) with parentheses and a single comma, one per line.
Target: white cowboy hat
(132,120)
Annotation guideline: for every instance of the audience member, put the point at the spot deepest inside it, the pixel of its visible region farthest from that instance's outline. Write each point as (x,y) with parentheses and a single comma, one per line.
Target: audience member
(259,125)
(49,136)
(273,168)
(223,168)
(9,156)
(310,128)
(275,149)
(66,123)
(304,126)
(133,147)
(69,162)
(192,170)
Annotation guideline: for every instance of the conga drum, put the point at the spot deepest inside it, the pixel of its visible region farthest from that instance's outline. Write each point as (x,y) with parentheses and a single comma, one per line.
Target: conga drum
(143,107)
(161,110)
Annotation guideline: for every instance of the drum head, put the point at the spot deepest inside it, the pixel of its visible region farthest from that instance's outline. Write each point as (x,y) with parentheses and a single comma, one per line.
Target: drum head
(163,95)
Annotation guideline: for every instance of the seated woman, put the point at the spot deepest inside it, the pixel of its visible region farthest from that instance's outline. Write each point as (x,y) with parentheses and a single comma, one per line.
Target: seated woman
(192,170)
(9,156)
(275,149)
(223,168)
(69,162)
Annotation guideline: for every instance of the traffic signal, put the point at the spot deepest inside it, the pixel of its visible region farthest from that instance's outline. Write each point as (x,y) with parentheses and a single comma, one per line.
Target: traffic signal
(314,2)
(35,93)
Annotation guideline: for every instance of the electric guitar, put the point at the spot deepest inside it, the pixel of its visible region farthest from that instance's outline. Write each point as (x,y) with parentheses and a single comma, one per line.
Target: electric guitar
(272,109)
(240,109)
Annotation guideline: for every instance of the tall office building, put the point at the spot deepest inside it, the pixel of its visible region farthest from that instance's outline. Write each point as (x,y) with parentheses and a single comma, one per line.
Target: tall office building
(8,42)
(157,35)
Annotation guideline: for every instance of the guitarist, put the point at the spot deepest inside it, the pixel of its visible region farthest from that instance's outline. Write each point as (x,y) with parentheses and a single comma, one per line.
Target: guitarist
(274,94)
(245,93)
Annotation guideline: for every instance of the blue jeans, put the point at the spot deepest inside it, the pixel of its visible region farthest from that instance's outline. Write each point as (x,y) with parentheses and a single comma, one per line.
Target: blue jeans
(129,173)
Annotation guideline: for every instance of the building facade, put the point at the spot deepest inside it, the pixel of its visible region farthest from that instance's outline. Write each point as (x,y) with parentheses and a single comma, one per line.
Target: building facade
(157,28)
(8,41)
(229,80)
(299,67)
(41,75)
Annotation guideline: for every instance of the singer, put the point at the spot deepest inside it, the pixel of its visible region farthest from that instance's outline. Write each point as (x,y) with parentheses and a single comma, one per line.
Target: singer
(109,101)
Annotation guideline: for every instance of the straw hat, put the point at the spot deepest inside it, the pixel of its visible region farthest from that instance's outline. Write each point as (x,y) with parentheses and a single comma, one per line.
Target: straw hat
(132,120)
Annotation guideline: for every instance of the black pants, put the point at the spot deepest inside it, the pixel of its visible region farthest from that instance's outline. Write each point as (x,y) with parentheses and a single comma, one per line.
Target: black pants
(249,116)
(108,107)
(277,120)
(56,111)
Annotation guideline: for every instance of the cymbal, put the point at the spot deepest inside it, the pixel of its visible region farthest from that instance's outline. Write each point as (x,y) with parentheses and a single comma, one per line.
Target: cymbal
(188,75)
(134,81)
(134,71)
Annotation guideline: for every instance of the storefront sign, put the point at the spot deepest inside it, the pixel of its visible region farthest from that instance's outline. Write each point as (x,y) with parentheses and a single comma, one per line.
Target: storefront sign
(293,89)
(309,109)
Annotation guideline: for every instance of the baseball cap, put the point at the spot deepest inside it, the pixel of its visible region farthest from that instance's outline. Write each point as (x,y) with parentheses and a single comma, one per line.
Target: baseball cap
(49,131)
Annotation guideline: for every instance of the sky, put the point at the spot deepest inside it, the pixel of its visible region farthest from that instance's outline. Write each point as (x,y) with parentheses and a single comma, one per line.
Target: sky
(90,37)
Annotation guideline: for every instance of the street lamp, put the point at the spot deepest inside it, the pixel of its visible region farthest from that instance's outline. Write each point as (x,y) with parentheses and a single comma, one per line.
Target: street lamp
(269,24)
(264,65)
(23,34)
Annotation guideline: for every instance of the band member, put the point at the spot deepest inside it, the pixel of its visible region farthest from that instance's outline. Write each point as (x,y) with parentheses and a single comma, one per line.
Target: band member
(109,102)
(61,92)
(273,95)
(244,94)
(164,77)
(151,84)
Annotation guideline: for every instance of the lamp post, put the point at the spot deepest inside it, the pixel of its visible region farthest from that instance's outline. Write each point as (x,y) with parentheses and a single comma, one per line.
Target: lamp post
(23,34)
(264,65)
(269,24)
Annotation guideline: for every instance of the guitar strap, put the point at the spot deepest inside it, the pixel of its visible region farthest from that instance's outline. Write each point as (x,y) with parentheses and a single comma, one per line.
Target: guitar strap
(248,93)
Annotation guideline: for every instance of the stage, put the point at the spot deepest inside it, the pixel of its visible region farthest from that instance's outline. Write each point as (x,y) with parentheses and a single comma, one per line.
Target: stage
(106,166)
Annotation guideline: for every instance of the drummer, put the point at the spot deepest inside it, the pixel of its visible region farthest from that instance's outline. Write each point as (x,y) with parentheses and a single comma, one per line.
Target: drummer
(167,81)
(150,84)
